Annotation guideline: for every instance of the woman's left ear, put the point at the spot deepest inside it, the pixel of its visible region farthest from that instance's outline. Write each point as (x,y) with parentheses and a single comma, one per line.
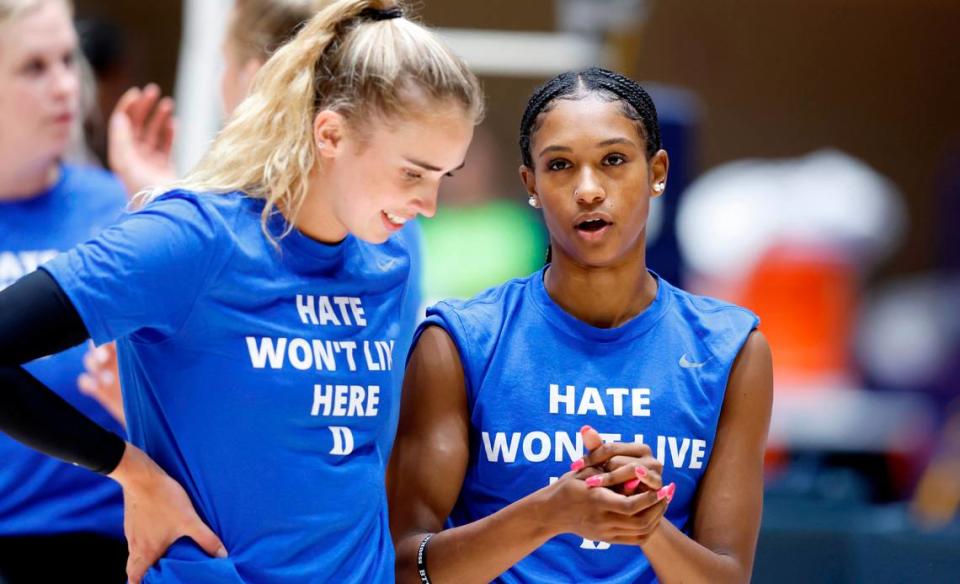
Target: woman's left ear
(659,165)
(328,130)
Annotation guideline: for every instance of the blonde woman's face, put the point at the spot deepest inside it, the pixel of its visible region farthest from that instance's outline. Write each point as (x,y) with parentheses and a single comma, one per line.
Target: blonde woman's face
(39,82)
(391,172)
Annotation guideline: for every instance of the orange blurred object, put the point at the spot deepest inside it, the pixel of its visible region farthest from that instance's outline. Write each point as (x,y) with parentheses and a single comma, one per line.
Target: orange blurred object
(807,297)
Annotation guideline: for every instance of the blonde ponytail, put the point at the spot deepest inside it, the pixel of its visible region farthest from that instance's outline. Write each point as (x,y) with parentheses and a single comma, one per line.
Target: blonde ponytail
(339,61)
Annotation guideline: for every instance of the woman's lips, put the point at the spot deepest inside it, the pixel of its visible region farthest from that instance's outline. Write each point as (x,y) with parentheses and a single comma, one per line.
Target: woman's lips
(592,231)
(64,119)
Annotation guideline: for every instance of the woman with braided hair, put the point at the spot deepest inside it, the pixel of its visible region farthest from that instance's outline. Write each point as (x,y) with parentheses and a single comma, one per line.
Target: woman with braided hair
(258,310)
(498,473)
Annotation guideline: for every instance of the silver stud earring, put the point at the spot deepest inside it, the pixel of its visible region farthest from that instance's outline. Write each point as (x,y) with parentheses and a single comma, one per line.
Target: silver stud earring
(659,187)
(532,201)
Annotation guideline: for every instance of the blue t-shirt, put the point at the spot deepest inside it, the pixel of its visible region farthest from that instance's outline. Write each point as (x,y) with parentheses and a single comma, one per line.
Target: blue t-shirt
(535,375)
(40,495)
(262,379)
(412,313)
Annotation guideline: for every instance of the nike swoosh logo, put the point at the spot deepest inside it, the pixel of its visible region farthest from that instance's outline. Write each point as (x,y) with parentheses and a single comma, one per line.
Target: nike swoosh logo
(688,364)
(387,264)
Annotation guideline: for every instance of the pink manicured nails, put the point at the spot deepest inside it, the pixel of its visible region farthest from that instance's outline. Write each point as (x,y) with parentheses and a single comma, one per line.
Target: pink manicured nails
(631,486)
(577,464)
(594,481)
(667,492)
(586,428)
(640,471)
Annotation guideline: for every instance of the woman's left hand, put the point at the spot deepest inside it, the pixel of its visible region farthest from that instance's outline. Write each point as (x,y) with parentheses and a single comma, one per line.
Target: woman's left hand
(628,468)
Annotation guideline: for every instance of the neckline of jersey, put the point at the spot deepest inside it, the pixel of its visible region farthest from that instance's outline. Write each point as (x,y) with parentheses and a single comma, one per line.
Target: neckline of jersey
(46,195)
(566,322)
(299,244)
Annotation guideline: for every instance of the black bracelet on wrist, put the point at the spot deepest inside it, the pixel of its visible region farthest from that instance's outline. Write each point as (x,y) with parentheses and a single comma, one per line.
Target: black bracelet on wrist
(422,559)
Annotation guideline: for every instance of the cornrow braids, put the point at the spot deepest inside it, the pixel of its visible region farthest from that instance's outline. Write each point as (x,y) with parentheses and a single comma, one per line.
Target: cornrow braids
(611,86)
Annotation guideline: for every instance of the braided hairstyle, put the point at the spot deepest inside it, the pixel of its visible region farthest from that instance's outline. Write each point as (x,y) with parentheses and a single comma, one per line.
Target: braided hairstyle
(606,84)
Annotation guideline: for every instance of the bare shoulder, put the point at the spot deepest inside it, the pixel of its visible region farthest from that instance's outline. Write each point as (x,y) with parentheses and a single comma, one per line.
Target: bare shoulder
(749,396)
(434,360)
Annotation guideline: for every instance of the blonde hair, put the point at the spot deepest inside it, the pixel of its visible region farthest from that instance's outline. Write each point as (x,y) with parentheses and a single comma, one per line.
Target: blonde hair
(258,27)
(11,9)
(342,60)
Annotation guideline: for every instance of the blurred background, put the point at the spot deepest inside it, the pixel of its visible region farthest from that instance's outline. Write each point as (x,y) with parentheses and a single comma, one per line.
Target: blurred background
(815,178)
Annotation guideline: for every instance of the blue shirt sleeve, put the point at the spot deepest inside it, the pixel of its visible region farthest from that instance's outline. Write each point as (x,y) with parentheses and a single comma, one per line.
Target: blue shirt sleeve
(472,352)
(143,275)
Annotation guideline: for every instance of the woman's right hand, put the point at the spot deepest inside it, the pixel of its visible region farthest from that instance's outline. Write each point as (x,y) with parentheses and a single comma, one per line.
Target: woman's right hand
(140,139)
(157,512)
(613,494)
(572,505)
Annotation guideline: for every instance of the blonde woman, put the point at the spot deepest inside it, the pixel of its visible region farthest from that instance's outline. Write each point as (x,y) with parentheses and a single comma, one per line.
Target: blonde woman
(142,128)
(48,205)
(258,321)
(141,139)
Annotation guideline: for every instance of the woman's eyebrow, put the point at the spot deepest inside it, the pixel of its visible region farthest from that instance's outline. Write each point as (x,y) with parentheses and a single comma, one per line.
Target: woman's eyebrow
(431,167)
(613,141)
(607,142)
(555,148)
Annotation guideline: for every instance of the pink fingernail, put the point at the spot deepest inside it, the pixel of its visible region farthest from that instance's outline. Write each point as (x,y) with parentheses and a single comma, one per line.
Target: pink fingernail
(594,481)
(585,429)
(577,464)
(667,491)
(662,492)
(640,471)
(631,485)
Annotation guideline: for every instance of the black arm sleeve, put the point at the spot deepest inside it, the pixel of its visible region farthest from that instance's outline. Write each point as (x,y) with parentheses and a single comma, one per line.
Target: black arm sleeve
(37,319)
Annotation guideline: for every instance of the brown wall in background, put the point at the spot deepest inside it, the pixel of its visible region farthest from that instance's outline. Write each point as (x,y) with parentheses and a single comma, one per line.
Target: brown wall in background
(152,33)
(537,15)
(879,80)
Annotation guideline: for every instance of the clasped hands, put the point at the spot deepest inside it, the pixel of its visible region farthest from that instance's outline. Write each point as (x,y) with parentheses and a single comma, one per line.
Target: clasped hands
(614,493)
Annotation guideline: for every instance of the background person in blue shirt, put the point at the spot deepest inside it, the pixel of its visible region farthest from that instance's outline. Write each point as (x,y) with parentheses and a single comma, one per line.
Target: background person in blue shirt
(503,391)
(50,509)
(258,317)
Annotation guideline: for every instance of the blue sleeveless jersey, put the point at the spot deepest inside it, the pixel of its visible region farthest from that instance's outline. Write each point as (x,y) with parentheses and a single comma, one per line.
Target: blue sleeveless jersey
(262,378)
(40,495)
(535,375)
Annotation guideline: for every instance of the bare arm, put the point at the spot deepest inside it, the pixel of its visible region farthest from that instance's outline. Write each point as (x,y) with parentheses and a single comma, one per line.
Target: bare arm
(726,518)
(426,475)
